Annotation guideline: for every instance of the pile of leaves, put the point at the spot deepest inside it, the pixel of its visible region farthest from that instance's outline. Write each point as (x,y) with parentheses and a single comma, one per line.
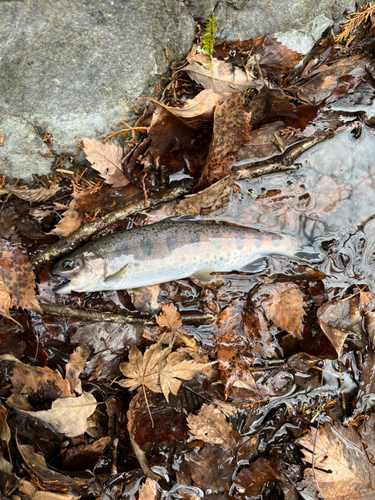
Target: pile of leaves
(247,387)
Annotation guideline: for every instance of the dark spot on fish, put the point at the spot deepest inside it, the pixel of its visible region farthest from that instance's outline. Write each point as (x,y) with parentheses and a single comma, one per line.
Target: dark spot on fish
(276,240)
(258,239)
(147,246)
(136,264)
(172,242)
(217,241)
(183,259)
(240,241)
(195,239)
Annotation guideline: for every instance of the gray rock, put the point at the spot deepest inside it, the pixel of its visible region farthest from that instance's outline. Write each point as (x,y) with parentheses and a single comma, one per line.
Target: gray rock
(73,69)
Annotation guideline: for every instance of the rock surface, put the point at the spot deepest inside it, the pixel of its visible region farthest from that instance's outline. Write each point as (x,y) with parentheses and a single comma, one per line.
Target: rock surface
(73,69)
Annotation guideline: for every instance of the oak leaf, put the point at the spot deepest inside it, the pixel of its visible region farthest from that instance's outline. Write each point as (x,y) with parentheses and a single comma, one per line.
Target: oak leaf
(32,195)
(106,159)
(285,307)
(171,317)
(211,426)
(70,222)
(150,490)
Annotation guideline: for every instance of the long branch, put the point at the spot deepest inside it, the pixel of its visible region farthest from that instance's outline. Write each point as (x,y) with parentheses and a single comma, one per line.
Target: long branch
(67,312)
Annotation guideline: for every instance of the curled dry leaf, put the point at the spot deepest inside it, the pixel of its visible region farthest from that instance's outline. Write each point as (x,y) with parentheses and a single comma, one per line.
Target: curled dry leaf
(33,195)
(220,76)
(284,307)
(4,427)
(170,318)
(16,272)
(106,159)
(150,490)
(67,415)
(70,222)
(211,426)
(75,365)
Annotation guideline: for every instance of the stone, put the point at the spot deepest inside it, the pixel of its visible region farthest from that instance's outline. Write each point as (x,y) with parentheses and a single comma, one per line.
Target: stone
(73,69)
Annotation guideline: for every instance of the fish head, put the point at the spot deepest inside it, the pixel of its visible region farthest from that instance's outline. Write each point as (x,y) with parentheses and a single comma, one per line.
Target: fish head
(84,270)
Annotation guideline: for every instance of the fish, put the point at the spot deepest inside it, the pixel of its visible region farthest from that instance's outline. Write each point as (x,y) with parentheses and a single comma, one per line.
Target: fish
(166,251)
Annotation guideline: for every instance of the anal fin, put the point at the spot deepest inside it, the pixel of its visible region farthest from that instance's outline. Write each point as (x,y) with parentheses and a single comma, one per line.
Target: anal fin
(204,275)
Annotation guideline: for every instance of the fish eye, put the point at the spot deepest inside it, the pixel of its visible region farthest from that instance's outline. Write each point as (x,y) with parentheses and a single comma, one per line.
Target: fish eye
(68,265)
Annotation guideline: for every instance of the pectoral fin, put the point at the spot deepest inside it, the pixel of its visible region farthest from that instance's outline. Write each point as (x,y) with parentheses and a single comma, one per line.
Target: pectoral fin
(114,279)
(254,267)
(203,275)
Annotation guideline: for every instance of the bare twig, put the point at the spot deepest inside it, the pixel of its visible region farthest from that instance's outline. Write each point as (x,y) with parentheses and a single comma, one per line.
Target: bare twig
(67,312)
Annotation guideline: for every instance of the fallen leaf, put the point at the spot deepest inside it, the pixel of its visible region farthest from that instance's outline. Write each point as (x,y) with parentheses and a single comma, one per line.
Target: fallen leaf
(75,365)
(336,318)
(150,490)
(284,307)
(211,426)
(341,464)
(231,132)
(4,427)
(220,76)
(33,195)
(71,221)
(159,370)
(85,456)
(170,318)
(252,479)
(211,468)
(327,196)
(106,159)
(5,300)
(17,274)
(67,415)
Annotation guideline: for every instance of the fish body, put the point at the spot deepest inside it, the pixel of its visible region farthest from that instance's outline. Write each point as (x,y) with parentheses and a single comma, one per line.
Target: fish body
(166,251)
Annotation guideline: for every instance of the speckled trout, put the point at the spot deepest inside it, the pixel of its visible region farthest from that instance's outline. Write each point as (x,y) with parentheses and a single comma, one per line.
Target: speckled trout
(166,251)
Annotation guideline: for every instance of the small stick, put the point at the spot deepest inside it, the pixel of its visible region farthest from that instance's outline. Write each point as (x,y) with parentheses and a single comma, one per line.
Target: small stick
(67,312)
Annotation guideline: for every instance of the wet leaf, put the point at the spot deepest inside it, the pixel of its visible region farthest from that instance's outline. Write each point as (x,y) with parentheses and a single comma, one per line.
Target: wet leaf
(211,426)
(251,480)
(84,456)
(106,159)
(284,307)
(159,370)
(211,468)
(70,222)
(16,272)
(170,318)
(220,77)
(341,464)
(231,132)
(150,490)
(67,415)
(4,427)
(76,364)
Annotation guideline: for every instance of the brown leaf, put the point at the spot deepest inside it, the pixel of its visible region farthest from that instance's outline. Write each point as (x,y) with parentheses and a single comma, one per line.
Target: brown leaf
(87,454)
(4,427)
(67,415)
(241,336)
(220,77)
(5,300)
(211,426)
(16,272)
(170,319)
(341,464)
(75,365)
(142,369)
(251,480)
(106,159)
(231,132)
(34,195)
(211,468)
(150,490)
(336,318)
(70,222)
(284,307)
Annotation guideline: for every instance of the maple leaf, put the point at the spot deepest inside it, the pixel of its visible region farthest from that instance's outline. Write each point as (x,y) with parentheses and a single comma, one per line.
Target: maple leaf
(285,307)
(211,426)
(106,159)
(171,317)
(158,369)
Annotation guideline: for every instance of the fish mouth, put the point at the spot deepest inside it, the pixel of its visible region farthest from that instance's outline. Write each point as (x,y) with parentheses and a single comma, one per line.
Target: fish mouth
(65,287)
